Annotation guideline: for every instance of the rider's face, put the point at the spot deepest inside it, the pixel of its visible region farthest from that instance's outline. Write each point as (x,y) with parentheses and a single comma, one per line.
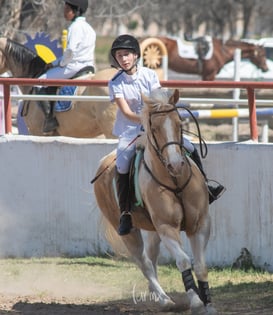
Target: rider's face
(126,59)
(68,12)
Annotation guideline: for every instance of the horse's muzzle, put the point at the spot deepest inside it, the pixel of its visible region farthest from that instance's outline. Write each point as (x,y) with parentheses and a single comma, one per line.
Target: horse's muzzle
(175,167)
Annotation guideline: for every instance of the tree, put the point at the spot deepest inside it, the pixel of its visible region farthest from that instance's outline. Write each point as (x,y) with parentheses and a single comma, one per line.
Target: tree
(213,17)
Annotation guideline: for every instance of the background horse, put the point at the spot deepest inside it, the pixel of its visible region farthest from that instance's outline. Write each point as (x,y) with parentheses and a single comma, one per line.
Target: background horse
(222,54)
(84,119)
(175,196)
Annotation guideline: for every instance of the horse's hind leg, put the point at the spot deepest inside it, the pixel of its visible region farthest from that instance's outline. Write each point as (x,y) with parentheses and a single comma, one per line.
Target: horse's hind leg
(153,248)
(135,245)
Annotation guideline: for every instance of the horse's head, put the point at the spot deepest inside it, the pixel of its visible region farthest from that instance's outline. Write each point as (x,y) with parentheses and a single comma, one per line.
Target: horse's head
(258,57)
(255,53)
(163,127)
(19,60)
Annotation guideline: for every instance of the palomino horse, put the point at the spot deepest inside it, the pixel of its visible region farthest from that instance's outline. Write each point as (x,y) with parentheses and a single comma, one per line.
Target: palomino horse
(84,120)
(175,198)
(222,54)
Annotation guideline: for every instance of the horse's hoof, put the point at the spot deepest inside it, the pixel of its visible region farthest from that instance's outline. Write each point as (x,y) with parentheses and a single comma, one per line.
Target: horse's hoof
(211,310)
(168,305)
(196,305)
(200,310)
(204,310)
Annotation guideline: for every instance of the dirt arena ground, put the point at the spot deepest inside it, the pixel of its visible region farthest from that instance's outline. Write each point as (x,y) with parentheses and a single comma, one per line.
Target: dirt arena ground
(31,305)
(103,286)
(48,304)
(59,294)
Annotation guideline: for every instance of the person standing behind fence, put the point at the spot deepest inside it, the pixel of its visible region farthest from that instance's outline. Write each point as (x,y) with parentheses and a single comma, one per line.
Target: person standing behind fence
(79,53)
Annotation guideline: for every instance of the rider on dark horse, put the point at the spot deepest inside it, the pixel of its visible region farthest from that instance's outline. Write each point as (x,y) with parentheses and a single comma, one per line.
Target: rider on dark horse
(78,55)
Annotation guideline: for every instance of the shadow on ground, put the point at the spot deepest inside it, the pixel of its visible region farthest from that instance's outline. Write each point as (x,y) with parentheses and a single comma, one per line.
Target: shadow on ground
(229,299)
(117,307)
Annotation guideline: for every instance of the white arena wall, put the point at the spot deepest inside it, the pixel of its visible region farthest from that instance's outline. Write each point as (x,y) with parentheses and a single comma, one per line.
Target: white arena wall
(48,208)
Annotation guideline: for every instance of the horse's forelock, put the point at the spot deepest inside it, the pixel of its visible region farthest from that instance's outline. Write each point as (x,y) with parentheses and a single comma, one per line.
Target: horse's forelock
(160,95)
(156,101)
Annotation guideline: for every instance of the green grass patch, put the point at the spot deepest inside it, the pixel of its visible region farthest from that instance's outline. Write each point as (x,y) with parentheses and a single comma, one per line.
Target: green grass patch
(102,50)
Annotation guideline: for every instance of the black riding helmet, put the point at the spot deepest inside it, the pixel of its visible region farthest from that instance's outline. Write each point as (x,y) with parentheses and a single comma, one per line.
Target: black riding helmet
(125,42)
(82,5)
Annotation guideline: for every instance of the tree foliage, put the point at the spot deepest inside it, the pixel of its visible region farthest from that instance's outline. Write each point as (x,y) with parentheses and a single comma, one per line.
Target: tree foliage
(229,18)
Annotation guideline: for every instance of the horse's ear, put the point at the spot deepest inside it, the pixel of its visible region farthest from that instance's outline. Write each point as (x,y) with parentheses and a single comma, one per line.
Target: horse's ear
(175,97)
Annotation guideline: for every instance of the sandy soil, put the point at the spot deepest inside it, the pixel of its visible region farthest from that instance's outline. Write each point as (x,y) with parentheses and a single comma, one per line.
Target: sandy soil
(51,292)
(83,289)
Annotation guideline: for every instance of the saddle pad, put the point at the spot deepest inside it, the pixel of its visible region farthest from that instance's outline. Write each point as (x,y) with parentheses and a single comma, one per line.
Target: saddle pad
(139,201)
(186,50)
(62,105)
(189,50)
(135,166)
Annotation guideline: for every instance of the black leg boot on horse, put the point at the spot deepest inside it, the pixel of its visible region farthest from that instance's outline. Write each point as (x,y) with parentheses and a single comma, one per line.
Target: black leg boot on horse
(122,181)
(215,192)
(51,122)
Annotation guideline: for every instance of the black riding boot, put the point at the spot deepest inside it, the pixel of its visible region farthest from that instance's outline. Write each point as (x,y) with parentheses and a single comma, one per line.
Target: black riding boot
(122,181)
(214,191)
(50,123)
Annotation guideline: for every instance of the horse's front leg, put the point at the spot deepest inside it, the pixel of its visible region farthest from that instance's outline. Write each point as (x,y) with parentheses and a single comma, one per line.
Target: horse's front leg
(198,245)
(135,246)
(171,238)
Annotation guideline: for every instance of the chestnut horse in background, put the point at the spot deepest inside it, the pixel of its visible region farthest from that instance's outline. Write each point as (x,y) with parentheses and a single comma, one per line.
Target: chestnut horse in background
(174,198)
(223,52)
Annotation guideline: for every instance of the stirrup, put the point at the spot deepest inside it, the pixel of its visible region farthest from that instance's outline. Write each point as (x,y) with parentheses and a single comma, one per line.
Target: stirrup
(50,124)
(125,223)
(215,191)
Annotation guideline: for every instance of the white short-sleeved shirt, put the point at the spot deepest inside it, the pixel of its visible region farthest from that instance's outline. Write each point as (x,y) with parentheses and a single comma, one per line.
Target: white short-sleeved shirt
(81,41)
(80,50)
(130,88)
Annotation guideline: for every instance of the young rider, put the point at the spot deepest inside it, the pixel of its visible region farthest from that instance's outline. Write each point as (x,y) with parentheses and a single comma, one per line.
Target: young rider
(125,90)
(79,53)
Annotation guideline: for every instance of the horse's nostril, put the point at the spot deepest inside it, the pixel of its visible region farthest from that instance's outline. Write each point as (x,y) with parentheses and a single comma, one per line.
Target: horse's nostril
(170,167)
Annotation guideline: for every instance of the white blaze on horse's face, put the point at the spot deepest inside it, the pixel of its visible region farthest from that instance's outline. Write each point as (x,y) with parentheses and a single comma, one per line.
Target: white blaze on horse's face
(171,152)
